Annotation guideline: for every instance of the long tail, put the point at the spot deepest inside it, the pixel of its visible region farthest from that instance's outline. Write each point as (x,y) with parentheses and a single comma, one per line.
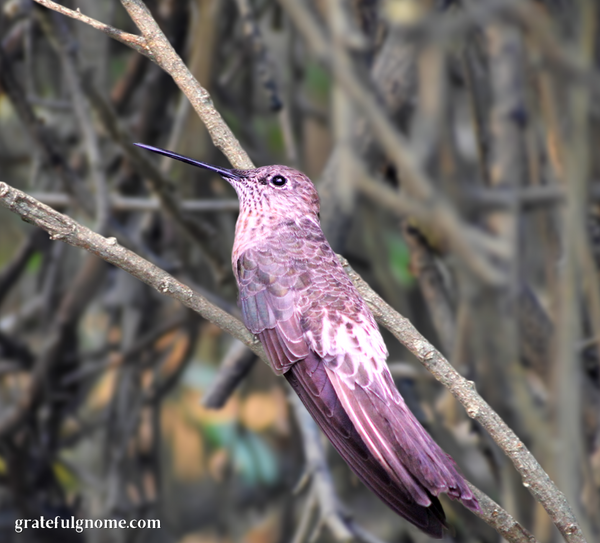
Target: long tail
(391,432)
(310,381)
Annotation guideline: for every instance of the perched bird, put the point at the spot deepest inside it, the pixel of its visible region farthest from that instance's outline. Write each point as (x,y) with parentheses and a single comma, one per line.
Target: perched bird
(320,335)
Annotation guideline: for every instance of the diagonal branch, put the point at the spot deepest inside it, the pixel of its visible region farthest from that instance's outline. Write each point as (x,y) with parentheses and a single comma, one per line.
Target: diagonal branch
(396,146)
(135,42)
(163,54)
(155,45)
(534,477)
(63,228)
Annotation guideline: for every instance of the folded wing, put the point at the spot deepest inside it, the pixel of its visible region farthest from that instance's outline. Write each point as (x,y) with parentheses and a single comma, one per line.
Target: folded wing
(310,381)
(354,359)
(336,365)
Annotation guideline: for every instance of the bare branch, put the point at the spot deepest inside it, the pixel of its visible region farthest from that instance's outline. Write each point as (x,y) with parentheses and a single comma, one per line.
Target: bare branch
(69,231)
(396,146)
(234,367)
(533,476)
(13,270)
(60,227)
(500,520)
(60,41)
(198,231)
(73,302)
(405,205)
(135,42)
(433,288)
(139,203)
(157,48)
(316,466)
(165,56)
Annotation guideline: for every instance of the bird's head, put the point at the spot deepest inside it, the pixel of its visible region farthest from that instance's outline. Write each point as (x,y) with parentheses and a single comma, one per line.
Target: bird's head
(279,191)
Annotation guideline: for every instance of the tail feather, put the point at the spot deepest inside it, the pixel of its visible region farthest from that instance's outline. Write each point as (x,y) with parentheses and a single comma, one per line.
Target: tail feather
(393,434)
(310,381)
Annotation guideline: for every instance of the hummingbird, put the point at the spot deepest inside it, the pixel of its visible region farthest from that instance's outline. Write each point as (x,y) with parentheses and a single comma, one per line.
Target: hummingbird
(319,333)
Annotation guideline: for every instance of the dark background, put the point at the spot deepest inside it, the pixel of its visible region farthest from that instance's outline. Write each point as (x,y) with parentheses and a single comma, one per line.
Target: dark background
(500,107)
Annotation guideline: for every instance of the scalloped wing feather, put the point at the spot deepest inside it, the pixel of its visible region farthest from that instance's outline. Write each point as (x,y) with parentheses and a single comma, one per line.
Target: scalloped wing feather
(268,300)
(317,330)
(354,360)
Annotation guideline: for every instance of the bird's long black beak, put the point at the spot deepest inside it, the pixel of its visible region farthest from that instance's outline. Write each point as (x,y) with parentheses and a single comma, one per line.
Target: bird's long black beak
(224,172)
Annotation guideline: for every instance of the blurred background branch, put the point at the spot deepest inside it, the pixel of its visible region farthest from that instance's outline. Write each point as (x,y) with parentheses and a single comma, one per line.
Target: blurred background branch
(451,143)
(61,227)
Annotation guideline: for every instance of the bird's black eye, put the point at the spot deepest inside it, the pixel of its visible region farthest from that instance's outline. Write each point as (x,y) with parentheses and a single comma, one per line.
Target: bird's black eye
(278,181)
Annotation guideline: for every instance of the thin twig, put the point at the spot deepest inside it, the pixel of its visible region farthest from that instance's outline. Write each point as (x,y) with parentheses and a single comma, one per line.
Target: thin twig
(396,146)
(46,142)
(165,56)
(69,231)
(135,42)
(128,355)
(65,51)
(330,513)
(407,206)
(117,202)
(42,137)
(199,231)
(63,228)
(236,364)
(533,476)
(303,524)
(13,269)
(73,302)
(432,285)
(154,44)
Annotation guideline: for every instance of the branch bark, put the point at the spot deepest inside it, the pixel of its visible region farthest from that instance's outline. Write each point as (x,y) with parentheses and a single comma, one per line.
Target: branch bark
(396,146)
(534,477)
(155,45)
(63,228)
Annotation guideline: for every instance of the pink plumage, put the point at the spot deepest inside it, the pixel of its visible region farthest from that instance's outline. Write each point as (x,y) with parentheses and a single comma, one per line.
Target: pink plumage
(319,333)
